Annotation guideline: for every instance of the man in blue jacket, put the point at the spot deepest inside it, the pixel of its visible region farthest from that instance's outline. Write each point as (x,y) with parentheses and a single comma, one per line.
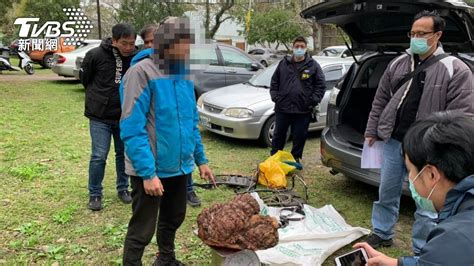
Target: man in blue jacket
(159,126)
(147,34)
(439,155)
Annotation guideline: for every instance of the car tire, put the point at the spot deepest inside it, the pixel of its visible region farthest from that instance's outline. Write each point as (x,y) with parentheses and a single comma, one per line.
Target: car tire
(264,63)
(47,61)
(267,132)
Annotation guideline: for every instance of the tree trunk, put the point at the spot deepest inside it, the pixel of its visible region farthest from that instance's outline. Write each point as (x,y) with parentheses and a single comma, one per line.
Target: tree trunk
(219,19)
(316,45)
(207,20)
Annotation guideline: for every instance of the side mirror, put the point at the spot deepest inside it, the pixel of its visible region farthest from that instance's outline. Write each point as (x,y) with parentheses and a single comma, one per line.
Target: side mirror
(255,67)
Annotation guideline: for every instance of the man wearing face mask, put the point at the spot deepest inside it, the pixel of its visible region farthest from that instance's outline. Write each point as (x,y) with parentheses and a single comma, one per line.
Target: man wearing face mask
(101,74)
(297,86)
(439,156)
(416,84)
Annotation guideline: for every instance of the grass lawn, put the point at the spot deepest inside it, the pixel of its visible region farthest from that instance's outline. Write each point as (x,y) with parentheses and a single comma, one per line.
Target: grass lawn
(44,153)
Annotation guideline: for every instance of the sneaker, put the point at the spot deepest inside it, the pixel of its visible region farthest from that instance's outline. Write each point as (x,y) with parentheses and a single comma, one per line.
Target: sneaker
(376,241)
(95,203)
(125,197)
(193,199)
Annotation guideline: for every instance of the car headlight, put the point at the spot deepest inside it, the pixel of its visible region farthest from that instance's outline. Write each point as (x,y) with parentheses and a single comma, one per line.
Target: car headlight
(200,103)
(333,96)
(239,112)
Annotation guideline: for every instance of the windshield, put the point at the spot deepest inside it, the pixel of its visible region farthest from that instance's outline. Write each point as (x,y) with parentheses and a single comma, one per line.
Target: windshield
(263,78)
(331,52)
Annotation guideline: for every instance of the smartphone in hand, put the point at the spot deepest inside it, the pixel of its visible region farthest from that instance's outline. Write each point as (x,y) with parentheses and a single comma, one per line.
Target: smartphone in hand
(356,257)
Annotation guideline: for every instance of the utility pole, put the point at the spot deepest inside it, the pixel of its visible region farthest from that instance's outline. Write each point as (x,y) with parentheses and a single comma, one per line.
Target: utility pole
(98,20)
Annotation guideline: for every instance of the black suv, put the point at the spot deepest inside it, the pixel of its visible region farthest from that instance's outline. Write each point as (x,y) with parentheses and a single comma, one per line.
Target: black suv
(381,27)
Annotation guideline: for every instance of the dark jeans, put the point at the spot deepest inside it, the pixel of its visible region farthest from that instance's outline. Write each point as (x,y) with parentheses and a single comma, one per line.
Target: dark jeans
(190,184)
(101,134)
(299,130)
(142,226)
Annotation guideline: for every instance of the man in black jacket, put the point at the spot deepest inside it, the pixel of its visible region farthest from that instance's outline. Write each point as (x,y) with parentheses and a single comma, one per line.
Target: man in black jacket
(101,73)
(297,86)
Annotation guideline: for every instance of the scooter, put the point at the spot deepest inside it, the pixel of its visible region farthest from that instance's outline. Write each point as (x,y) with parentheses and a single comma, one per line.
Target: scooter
(25,62)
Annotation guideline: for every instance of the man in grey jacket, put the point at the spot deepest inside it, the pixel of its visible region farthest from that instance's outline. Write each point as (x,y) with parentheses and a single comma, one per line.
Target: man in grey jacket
(444,85)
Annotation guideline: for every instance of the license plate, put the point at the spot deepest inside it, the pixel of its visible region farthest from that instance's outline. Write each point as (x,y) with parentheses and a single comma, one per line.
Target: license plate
(205,121)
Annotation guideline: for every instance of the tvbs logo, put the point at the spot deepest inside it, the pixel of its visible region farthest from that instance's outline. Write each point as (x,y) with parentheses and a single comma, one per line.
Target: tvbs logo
(74,30)
(50,29)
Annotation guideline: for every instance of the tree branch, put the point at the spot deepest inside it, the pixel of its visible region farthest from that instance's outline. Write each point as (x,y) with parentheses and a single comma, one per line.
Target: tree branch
(218,21)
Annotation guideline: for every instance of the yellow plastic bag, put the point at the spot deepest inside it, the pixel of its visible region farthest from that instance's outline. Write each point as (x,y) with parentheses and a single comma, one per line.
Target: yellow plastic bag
(273,170)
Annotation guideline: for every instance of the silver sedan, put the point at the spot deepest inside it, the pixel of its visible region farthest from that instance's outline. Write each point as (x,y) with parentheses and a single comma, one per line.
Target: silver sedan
(245,110)
(63,63)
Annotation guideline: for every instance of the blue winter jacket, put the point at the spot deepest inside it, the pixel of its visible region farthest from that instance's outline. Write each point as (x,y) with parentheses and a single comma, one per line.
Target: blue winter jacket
(451,242)
(159,122)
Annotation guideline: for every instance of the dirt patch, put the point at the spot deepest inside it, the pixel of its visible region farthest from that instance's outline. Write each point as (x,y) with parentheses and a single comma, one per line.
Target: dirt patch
(21,76)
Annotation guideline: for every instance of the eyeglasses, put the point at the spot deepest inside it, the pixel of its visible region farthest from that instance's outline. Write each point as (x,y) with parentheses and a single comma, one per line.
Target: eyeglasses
(419,34)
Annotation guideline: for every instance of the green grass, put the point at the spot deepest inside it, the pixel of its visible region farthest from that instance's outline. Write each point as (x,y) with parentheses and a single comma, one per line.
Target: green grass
(44,152)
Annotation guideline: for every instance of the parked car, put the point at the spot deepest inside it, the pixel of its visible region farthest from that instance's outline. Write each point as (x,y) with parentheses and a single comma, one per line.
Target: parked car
(64,63)
(77,67)
(245,110)
(335,51)
(265,56)
(350,101)
(213,66)
(76,63)
(45,57)
(217,65)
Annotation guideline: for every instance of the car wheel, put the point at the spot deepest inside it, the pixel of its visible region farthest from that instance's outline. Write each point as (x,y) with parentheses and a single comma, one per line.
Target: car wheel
(47,61)
(264,63)
(268,129)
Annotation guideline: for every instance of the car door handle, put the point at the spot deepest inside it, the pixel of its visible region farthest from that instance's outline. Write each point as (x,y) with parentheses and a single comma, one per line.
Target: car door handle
(231,71)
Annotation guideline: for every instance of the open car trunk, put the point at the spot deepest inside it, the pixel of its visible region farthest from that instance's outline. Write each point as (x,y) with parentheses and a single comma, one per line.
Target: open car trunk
(354,112)
(382,26)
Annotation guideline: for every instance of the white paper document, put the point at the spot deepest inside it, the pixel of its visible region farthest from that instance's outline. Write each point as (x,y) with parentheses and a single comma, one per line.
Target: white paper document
(372,155)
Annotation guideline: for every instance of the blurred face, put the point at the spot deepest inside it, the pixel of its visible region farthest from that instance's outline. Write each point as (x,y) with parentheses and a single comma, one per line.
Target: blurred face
(125,45)
(180,50)
(148,40)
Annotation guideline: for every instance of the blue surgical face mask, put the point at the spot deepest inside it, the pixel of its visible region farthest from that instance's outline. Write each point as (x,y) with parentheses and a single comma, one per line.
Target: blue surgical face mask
(299,52)
(424,203)
(419,45)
